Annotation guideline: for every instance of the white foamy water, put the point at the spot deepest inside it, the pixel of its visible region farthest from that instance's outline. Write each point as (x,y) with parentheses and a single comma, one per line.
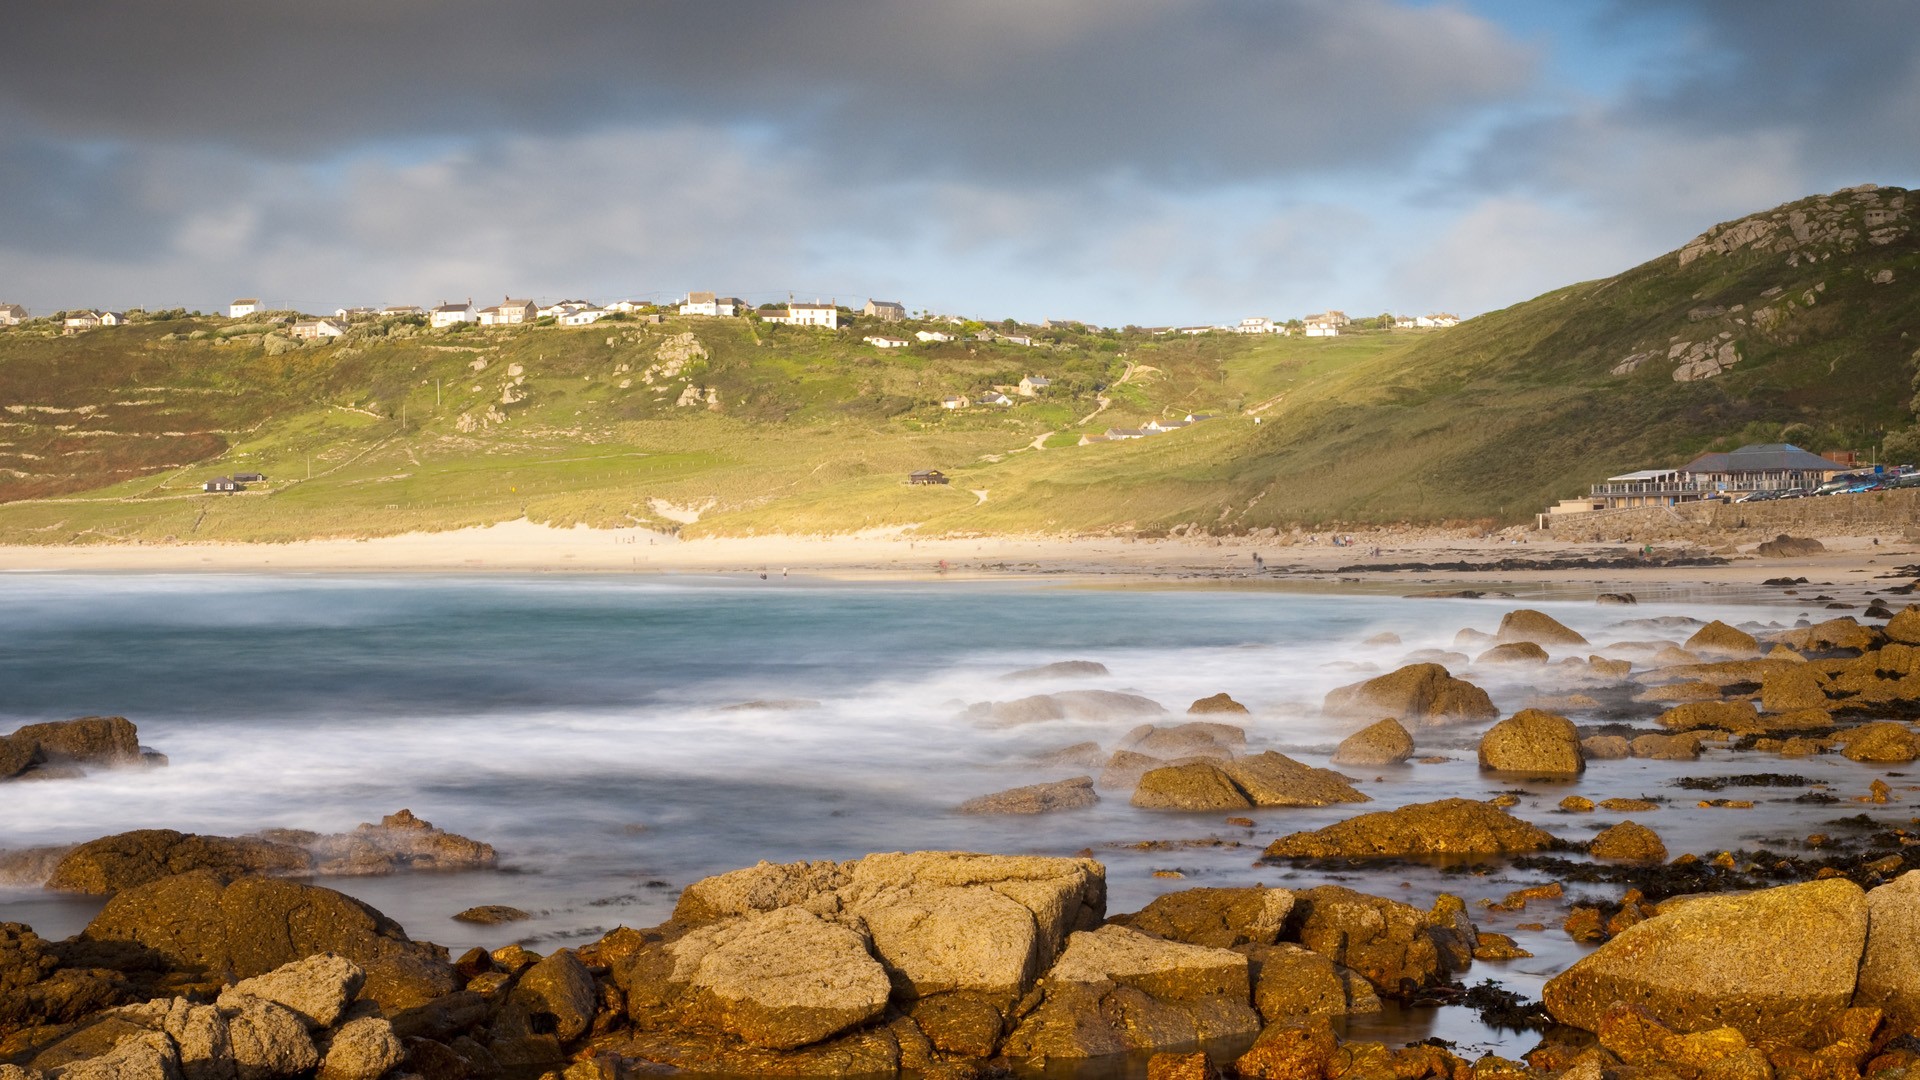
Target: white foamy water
(581,725)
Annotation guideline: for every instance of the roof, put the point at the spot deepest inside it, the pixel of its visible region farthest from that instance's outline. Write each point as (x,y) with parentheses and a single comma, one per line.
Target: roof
(1037,380)
(523,303)
(248,300)
(700,298)
(1761,457)
(811,307)
(886,303)
(1644,474)
(455,307)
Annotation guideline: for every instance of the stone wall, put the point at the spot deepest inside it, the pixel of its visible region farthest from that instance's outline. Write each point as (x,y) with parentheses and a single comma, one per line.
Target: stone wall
(1887,514)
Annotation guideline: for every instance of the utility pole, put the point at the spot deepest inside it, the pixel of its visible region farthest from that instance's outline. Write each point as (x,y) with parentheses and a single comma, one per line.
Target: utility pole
(436,395)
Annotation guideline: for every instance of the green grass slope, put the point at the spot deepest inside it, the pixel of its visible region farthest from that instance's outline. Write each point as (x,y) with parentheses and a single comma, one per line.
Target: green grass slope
(1797,323)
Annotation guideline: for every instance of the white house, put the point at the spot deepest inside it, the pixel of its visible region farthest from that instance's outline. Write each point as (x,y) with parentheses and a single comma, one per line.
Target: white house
(1403,322)
(315,329)
(626,307)
(1197,330)
(1259,325)
(706,303)
(1033,384)
(448,314)
(1016,339)
(932,335)
(774,315)
(1440,319)
(1316,329)
(113,318)
(885,310)
(80,320)
(583,317)
(993,397)
(814,314)
(1155,427)
(12,314)
(510,312)
(564,307)
(955,402)
(240,309)
(880,341)
(354,313)
(401,309)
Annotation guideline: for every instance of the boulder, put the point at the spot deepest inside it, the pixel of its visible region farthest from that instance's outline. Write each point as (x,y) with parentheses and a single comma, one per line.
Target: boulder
(1445,827)
(781,979)
(1062,669)
(268,1040)
(197,922)
(1789,547)
(1628,842)
(363,1049)
(1384,743)
(1513,652)
(1718,639)
(1423,694)
(1295,1048)
(201,1034)
(1215,918)
(1390,944)
(1772,963)
(124,860)
(1071,794)
(491,915)
(36,990)
(1905,627)
(1537,627)
(1834,635)
(1535,742)
(399,842)
(1606,747)
(1066,705)
(1125,768)
(555,996)
(1890,968)
(1292,980)
(763,886)
(89,740)
(1197,786)
(1218,703)
(1274,779)
(145,1055)
(1683,747)
(317,989)
(1195,738)
(1116,989)
(1739,717)
(1885,742)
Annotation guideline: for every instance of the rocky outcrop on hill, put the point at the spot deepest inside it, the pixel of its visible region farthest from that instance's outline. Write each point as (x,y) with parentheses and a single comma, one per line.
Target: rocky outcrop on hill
(1426,695)
(1446,827)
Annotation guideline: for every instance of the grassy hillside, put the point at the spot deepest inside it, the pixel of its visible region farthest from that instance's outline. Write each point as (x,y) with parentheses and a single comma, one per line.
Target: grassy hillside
(1798,323)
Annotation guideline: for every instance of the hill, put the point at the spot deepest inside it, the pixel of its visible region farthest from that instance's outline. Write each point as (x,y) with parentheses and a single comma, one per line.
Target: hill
(1795,324)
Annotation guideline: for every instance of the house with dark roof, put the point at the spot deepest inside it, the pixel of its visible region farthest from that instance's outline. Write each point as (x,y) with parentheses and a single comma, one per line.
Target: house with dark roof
(12,314)
(885,310)
(1760,467)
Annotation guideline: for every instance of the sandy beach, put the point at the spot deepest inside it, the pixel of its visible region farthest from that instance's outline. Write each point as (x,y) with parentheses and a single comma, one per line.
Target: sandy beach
(1851,563)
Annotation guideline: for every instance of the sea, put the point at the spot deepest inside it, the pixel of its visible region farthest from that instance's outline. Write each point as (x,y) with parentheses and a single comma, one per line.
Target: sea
(618,737)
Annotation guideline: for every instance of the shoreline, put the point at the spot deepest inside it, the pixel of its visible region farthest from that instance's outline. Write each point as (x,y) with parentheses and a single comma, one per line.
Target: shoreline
(521,547)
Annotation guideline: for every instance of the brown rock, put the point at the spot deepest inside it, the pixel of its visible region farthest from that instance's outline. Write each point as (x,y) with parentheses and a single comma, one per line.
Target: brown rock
(1290,980)
(198,923)
(112,863)
(1125,768)
(781,979)
(35,990)
(1071,794)
(1667,747)
(1063,669)
(1738,717)
(1885,742)
(1831,636)
(1905,627)
(1628,806)
(400,842)
(1195,738)
(1384,743)
(1388,943)
(1609,668)
(1424,694)
(89,740)
(1790,547)
(1445,827)
(1629,842)
(1537,627)
(1215,918)
(1718,639)
(1198,786)
(1532,741)
(1606,747)
(1218,703)
(1189,1066)
(1274,779)
(1890,967)
(1772,963)
(1790,688)
(1290,1050)
(491,915)
(1513,652)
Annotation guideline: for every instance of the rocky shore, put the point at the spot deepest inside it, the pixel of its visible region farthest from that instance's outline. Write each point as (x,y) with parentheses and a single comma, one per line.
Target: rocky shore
(1793,956)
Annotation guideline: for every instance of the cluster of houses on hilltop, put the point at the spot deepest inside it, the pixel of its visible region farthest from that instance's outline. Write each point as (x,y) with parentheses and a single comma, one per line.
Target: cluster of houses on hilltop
(1321,324)
(1030,386)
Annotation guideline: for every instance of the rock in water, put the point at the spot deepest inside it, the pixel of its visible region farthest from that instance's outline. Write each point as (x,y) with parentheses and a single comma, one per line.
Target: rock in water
(1790,547)
(89,740)
(1890,970)
(400,842)
(1772,963)
(1389,943)
(1063,669)
(491,915)
(1905,627)
(1036,798)
(1532,741)
(1425,694)
(1735,716)
(1513,652)
(1887,742)
(1274,779)
(1718,639)
(1218,703)
(1216,918)
(1629,842)
(1199,786)
(1383,743)
(1537,627)
(782,979)
(199,922)
(124,860)
(1446,827)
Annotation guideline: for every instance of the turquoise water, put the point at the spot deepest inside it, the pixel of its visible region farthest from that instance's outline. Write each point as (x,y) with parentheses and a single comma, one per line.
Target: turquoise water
(580,724)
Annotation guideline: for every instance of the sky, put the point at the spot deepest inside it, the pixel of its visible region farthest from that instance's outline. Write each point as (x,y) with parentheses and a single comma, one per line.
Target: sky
(1121,162)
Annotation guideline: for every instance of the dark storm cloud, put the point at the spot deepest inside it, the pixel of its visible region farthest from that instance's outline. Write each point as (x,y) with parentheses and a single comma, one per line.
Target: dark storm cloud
(1167,89)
